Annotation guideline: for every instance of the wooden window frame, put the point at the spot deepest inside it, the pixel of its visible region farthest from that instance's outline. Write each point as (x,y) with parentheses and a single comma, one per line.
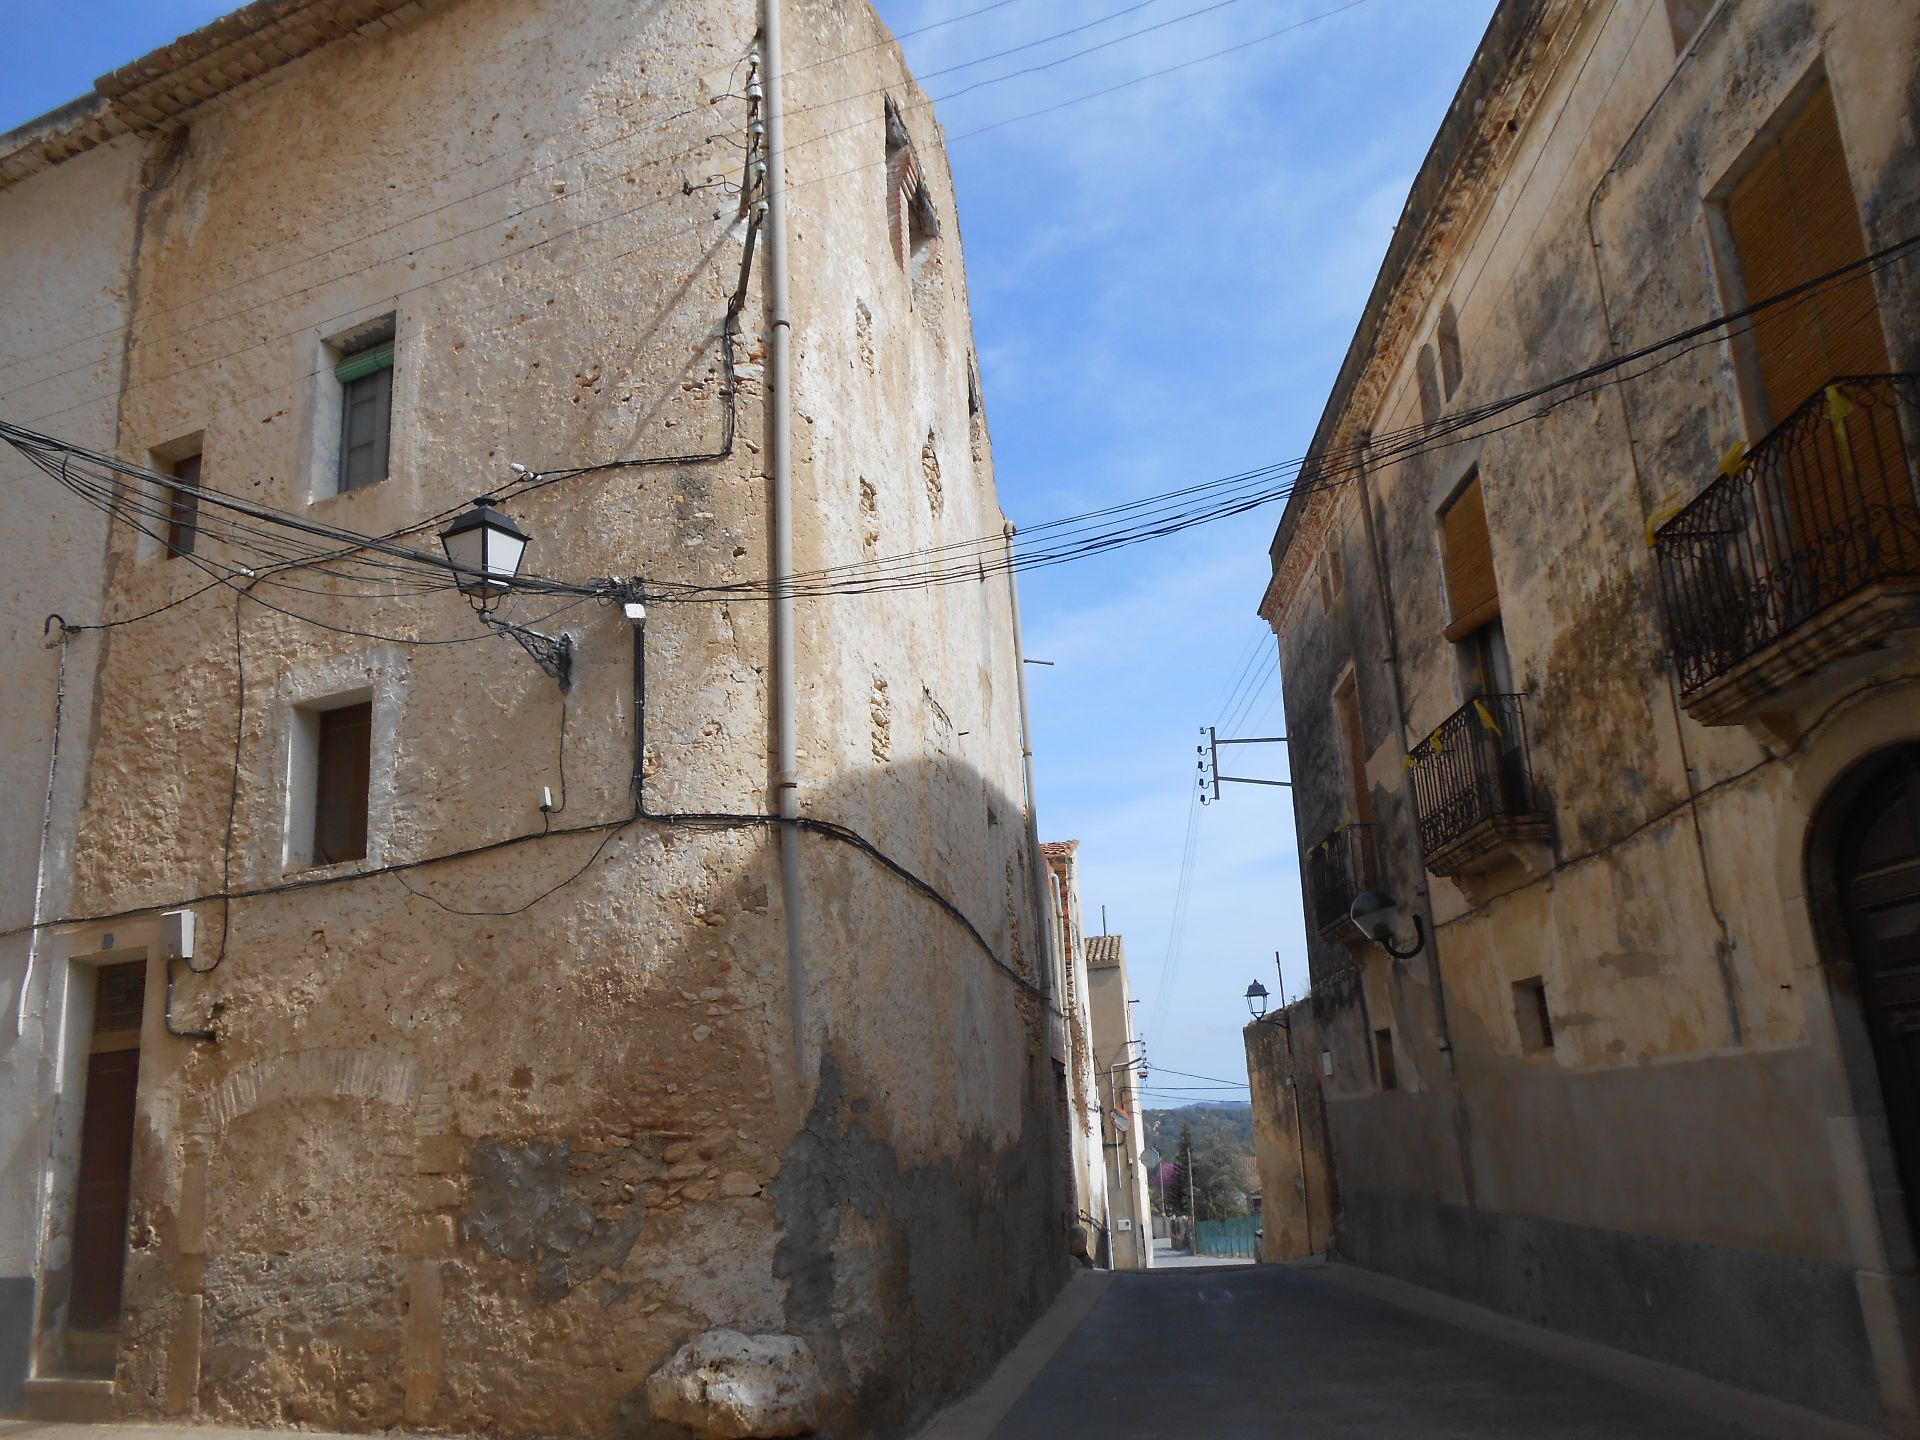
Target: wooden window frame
(312,839)
(374,388)
(183,509)
(342,783)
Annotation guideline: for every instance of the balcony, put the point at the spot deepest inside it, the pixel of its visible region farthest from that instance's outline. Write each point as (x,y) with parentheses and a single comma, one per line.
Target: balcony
(1785,575)
(1473,783)
(1339,868)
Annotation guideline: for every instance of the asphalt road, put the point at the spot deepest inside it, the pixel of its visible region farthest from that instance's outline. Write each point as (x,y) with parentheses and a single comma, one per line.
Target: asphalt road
(1273,1351)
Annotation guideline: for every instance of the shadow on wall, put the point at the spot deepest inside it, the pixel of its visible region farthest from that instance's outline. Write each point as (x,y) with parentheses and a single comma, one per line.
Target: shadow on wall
(918,1232)
(530,1156)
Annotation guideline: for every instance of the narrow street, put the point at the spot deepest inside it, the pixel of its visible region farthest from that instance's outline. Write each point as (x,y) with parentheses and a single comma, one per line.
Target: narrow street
(1237,1350)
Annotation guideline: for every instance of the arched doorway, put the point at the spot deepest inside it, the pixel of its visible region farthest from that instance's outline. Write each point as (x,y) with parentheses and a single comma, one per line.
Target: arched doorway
(1877,884)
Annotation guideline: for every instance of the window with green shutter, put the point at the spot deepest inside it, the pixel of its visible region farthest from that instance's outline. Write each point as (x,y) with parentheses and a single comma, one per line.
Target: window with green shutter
(366,413)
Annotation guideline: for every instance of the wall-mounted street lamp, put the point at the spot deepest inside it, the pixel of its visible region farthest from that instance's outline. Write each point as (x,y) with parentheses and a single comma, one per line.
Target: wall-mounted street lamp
(1257,1000)
(485,548)
(1374,911)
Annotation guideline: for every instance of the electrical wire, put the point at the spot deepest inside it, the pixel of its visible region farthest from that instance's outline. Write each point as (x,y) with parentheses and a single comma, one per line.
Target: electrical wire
(1063,541)
(411,255)
(1177,924)
(522,144)
(1246,669)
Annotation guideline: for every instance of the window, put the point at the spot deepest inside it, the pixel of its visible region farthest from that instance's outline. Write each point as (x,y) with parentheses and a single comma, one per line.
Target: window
(1331,576)
(1429,378)
(1684,17)
(183,507)
(1353,748)
(354,416)
(174,515)
(1792,217)
(1449,336)
(1473,596)
(342,770)
(1530,1013)
(329,781)
(366,406)
(1383,1057)
(912,225)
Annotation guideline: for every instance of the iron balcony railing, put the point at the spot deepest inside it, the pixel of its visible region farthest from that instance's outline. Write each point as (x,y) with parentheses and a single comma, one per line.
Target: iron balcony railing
(1339,868)
(1819,510)
(1472,769)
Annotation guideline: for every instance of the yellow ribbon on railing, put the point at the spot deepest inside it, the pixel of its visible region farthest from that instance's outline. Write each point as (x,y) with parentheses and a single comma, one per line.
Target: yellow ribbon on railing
(1663,512)
(1838,409)
(1734,459)
(1407,760)
(1486,718)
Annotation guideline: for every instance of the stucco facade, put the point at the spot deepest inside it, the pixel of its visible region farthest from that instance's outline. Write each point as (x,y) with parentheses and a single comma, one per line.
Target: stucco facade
(1290,1151)
(1118,1058)
(1631,1084)
(482,1143)
(1076,1066)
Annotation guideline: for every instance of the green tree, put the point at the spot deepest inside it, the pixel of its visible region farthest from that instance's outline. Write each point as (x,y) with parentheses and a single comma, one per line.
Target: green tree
(1182,1169)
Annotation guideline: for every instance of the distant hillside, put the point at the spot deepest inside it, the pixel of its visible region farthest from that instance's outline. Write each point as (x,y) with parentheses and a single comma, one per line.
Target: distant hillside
(1230,1121)
(1224,1172)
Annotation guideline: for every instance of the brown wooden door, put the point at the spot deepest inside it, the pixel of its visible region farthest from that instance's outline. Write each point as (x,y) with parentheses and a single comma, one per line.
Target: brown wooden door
(100,1210)
(1879,874)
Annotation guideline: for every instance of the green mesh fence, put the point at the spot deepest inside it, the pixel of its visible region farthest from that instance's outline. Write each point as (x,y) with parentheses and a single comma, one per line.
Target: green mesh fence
(1226,1237)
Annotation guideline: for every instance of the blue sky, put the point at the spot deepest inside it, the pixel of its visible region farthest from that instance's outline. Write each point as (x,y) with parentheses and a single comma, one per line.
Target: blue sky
(1164,280)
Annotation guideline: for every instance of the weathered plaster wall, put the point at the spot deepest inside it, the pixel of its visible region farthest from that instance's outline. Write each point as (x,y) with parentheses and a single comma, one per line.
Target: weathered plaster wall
(1694,1104)
(1297,1194)
(1078,1073)
(1116,1059)
(942,1056)
(465,1156)
(65,288)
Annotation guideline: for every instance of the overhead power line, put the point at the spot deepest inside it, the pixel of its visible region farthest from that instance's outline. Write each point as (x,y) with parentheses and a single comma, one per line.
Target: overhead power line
(1063,541)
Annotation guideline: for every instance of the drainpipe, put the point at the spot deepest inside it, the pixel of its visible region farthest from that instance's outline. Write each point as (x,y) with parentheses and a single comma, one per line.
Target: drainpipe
(786,763)
(1724,947)
(1383,584)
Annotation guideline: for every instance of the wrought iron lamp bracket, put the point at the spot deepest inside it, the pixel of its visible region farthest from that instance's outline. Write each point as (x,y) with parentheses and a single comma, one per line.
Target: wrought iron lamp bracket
(553,654)
(1419,941)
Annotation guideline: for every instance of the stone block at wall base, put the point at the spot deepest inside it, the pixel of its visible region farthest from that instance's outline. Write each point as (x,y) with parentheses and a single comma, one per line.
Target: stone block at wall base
(1773,1324)
(16,1341)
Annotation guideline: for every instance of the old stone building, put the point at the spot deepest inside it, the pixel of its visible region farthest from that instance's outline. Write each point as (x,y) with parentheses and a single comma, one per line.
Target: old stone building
(1290,1149)
(1076,1069)
(1118,1058)
(398,1032)
(1598,630)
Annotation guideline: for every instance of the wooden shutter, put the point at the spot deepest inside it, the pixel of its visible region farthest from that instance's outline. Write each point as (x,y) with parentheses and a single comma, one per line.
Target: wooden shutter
(1473,598)
(341,780)
(1793,219)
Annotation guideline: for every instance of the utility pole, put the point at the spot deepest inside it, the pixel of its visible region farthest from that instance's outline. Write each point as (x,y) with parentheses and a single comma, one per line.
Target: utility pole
(1209,766)
(1193,1224)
